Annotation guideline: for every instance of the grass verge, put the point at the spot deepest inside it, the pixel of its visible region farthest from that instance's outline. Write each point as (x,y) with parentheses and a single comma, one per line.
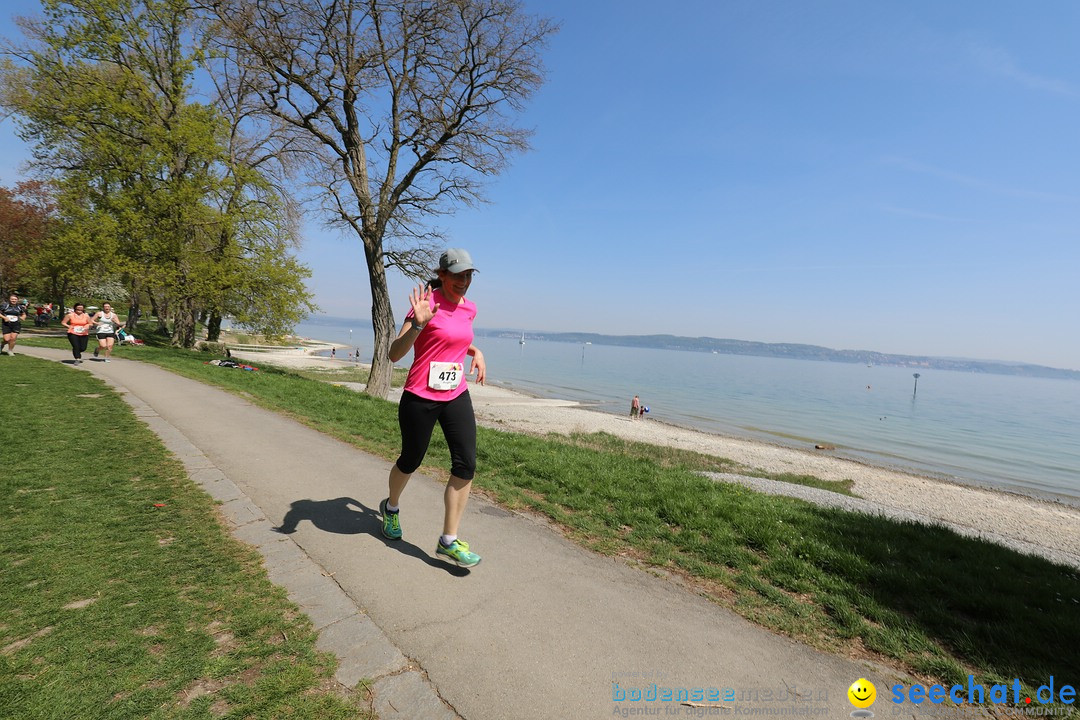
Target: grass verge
(121,595)
(350,374)
(940,605)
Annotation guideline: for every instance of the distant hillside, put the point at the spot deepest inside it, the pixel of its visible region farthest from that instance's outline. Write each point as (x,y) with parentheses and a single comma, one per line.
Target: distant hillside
(800,352)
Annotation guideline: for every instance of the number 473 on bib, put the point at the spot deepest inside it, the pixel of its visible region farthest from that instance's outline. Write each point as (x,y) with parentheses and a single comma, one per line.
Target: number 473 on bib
(445,375)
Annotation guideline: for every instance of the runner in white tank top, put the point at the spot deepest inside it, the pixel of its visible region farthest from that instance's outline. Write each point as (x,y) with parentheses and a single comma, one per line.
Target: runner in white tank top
(107,322)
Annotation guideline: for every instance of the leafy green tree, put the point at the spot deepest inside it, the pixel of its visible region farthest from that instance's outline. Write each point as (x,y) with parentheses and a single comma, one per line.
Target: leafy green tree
(145,172)
(261,286)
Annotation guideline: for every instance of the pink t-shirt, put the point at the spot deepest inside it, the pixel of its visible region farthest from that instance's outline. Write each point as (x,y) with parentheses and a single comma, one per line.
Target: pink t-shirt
(446,338)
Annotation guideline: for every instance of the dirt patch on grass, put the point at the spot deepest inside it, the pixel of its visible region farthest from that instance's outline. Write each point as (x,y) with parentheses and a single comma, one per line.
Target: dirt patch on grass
(80,604)
(198,689)
(20,644)
(223,638)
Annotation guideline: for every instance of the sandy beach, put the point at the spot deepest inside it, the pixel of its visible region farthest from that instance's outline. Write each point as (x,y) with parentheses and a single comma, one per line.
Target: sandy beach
(1027,524)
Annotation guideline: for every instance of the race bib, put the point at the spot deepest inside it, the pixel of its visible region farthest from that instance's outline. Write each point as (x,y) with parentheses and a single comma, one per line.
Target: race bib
(80,329)
(445,375)
(13,318)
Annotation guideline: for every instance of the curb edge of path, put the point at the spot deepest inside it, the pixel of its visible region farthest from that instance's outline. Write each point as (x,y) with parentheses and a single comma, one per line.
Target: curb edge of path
(400,687)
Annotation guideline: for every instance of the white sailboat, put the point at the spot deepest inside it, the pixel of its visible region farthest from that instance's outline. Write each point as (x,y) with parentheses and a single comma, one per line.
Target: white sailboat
(522,340)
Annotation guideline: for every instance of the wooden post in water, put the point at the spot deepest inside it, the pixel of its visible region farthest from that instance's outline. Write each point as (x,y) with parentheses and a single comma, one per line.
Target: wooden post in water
(916,376)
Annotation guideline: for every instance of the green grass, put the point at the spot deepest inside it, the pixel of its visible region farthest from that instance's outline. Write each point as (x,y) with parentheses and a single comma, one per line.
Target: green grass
(671,457)
(843,487)
(113,607)
(350,374)
(923,598)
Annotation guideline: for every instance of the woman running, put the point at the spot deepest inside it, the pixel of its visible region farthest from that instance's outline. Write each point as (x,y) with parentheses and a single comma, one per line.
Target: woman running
(78,324)
(439,329)
(13,313)
(107,323)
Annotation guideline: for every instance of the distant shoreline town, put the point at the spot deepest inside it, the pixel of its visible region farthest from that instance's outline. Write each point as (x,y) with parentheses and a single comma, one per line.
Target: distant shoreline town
(795,351)
(800,352)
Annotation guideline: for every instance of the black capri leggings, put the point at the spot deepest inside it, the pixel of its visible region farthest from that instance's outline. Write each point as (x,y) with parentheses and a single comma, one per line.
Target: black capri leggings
(417,417)
(78,344)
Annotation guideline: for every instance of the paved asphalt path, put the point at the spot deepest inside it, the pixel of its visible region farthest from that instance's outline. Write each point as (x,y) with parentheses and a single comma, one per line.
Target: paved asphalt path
(540,629)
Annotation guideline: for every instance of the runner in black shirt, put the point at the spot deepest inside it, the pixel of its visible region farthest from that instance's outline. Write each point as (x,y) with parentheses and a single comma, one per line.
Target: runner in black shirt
(13,313)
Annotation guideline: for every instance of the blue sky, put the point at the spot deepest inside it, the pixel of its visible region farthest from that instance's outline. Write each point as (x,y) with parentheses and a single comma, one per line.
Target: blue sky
(902,177)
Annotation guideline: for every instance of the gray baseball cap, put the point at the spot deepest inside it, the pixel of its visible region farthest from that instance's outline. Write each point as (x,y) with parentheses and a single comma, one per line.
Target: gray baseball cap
(455,260)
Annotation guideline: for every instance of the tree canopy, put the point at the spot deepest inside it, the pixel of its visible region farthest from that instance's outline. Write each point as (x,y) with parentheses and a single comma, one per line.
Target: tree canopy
(170,132)
(25,215)
(402,107)
(150,187)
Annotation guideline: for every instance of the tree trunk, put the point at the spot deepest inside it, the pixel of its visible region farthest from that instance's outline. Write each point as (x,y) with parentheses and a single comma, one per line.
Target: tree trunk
(382,318)
(184,324)
(133,317)
(134,312)
(213,326)
(159,311)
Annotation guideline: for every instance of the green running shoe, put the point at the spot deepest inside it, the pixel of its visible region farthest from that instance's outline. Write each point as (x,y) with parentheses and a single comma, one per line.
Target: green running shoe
(391,522)
(458,553)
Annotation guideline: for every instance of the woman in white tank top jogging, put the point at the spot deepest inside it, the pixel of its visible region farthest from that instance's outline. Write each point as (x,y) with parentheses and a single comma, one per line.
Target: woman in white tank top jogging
(107,323)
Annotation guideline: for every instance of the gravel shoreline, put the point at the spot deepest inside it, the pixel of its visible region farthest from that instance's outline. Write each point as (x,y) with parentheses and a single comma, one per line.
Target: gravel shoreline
(1029,525)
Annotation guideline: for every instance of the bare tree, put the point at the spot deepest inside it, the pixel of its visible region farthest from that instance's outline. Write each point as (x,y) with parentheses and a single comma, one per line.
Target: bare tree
(404,106)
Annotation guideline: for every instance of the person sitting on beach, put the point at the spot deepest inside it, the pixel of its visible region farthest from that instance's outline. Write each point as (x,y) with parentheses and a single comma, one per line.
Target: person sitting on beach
(439,330)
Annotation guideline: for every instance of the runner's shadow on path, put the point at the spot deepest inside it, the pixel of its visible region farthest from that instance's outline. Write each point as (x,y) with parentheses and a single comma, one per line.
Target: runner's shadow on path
(347,516)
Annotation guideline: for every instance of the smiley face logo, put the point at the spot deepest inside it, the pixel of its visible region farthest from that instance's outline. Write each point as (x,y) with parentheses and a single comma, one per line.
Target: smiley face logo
(862,693)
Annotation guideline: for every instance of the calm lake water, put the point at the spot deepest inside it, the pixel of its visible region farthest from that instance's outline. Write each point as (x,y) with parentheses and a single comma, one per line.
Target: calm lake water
(997,430)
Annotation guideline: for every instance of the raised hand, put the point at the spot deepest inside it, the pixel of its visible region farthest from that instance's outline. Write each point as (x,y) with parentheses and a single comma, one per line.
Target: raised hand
(420,299)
